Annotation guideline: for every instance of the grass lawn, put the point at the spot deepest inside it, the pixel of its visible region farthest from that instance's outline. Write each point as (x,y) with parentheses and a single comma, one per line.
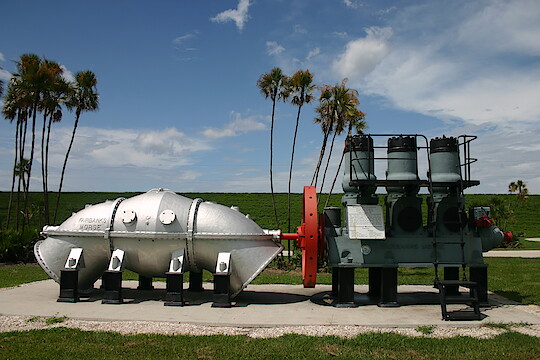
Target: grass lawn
(68,343)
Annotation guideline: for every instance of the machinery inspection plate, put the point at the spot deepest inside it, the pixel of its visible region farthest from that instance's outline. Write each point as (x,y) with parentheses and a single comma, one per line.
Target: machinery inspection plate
(365,222)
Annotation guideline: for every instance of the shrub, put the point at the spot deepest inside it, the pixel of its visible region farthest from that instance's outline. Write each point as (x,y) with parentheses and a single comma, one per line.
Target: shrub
(17,246)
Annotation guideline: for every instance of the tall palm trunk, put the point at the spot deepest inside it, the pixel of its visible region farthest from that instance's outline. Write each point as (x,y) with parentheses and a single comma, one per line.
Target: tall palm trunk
(43,171)
(78,114)
(327,132)
(271,163)
(10,203)
(47,164)
(328,160)
(315,177)
(22,145)
(290,172)
(27,185)
(335,178)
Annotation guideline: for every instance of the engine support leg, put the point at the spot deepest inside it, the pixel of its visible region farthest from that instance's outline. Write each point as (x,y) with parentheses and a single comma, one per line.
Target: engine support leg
(479,275)
(388,287)
(374,289)
(345,288)
(195,281)
(145,283)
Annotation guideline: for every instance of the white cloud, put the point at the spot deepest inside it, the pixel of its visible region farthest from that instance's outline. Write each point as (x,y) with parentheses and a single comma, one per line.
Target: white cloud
(340,34)
(504,27)
(184,45)
(351,4)
(2,58)
(5,75)
(362,55)
(273,48)
(166,148)
(313,53)
(238,15)
(238,126)
(180,39)
(479,67)
(67,74)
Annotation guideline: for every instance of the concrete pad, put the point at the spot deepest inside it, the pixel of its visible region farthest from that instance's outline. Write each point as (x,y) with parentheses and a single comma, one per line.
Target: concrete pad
(256,306)
(529,254)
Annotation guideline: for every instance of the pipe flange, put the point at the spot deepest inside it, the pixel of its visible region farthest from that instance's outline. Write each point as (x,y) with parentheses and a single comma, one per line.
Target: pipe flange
(191,228)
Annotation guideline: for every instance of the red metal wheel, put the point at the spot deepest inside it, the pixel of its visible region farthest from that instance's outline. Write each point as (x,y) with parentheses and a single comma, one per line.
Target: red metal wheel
(308,238)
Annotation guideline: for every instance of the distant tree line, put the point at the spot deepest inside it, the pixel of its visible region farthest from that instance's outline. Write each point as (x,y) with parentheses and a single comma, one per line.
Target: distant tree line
(38,95)
(337,112)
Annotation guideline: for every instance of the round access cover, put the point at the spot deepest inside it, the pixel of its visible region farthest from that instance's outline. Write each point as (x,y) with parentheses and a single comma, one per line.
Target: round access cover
(167,217)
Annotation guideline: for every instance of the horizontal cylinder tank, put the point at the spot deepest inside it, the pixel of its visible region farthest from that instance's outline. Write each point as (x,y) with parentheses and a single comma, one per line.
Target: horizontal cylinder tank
(149,228)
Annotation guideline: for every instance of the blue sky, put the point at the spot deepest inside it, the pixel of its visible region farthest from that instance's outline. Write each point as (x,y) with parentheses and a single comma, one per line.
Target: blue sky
(179,106)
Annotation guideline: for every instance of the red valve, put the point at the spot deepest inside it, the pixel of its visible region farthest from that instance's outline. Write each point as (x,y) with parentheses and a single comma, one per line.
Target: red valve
(308,237)
(484,222)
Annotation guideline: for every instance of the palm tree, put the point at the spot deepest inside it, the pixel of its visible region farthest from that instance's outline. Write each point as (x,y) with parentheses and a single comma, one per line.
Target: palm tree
(53,91)
(337,108)
(273,86)
(301,88)
(84,97)
(520,187)
(34,78)
(356,121)
(17,106)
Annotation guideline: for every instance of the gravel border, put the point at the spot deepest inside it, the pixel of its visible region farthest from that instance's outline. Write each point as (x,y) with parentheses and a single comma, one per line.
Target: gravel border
(25,323)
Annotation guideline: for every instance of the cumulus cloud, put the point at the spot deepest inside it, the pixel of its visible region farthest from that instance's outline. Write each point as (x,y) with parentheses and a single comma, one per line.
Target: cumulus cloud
(362,55)
(238,15)
(2,57)
(480,67)
(167,148)
(238,126)
(273,48)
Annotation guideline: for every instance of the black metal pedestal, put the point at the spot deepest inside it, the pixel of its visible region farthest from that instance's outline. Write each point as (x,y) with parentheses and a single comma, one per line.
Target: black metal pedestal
(222,293)
(175,289)
(112,284)
(388,287)
(480,277)
(145,283)
(195,281)
(69,286)
(374,284)
(345,286)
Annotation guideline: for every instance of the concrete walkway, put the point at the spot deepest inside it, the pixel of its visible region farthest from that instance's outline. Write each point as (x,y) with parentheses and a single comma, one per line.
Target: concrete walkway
(257,306)
(513,253)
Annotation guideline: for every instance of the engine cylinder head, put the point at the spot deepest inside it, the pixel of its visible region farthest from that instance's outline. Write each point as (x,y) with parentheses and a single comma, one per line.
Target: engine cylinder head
(444,162)
(359,163)
(402,163)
